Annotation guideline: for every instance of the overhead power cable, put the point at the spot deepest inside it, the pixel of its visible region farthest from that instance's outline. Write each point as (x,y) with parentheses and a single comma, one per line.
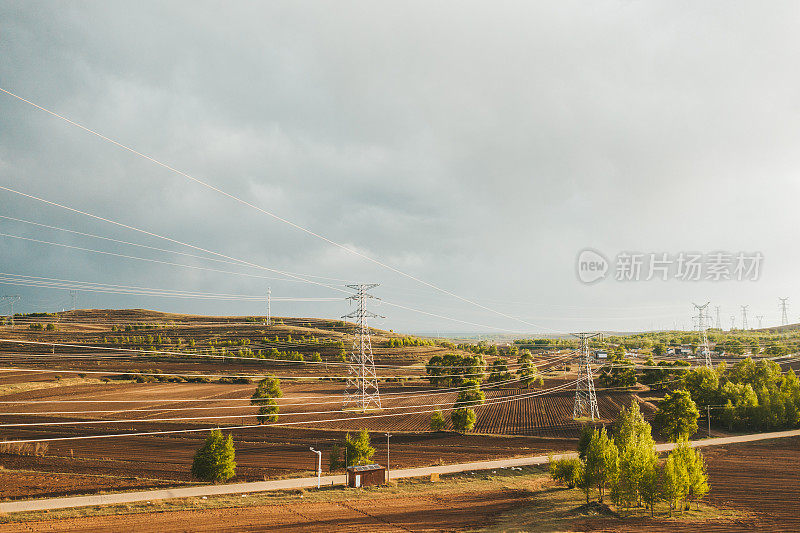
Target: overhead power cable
(247,426)
(271,214)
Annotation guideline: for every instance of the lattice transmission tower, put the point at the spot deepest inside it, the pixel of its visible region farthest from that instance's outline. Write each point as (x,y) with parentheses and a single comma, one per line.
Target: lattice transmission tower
(719,322)
(702,326)
(10,299)
(744,317)
(73,296)
(362,383)
(585,397)
(759,318)
(784,315)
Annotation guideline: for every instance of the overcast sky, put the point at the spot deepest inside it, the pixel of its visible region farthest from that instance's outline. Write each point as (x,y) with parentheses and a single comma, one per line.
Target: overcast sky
(477,146)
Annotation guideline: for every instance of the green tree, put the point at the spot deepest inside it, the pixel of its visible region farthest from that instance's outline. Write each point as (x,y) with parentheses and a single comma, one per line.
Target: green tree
(634,440)
(659,350)
(498,371)
(463,416)
(584,480)
(702,383)
(437,421)
(216,459)
(528,374)
(267,391)
(463,419)
(692,466)
(358,449)
(677,416)
(650,486)
(585,438)
(602,461)
(674,482)
(335,459)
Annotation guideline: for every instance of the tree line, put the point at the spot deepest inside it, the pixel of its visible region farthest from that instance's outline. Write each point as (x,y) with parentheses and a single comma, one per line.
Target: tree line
(627,468)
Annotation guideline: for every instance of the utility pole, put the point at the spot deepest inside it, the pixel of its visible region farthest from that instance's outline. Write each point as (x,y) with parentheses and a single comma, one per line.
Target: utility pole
(744,317)
(733,322)
(269,306)
(719,322)
(387,456)
(760,318)
(11,298)
(585,397)
(784,315)
(319,464)
(362,383)
(701,326)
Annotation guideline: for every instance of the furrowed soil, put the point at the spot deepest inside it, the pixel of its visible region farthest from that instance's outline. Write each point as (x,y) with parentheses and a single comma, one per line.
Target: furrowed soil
(754,488)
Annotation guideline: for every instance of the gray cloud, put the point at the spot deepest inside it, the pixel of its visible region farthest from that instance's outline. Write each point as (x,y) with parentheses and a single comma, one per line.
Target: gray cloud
(479,146)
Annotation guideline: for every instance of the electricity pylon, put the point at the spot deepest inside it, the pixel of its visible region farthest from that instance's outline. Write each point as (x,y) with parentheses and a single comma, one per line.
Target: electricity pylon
(362,383)
(585,397)
(744,317)
(73,295)
(733,322)
(701,325)
(759,318)
(269,306)
(10,298)
(719,322)
(784,316)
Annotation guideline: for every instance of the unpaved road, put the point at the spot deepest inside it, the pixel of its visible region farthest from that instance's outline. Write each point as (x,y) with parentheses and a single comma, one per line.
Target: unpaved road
(261,486)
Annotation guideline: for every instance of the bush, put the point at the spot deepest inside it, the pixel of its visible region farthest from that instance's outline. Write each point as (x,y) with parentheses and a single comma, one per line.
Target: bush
(437,421)
(565,471)
(215,460)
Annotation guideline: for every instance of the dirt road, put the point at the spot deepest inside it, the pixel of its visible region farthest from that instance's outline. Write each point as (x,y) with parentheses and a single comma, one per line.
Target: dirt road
(211,490)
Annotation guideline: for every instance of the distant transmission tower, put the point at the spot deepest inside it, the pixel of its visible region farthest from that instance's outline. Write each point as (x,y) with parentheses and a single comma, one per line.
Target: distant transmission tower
(701,326)
(759,318)
(362,383)
(719,322)
(733,322)
(744,317)
(269,306)
(784,316)
(585,397)
(10,298)
(73,295)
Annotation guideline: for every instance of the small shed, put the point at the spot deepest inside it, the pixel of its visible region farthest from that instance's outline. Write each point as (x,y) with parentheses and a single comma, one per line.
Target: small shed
(366,475)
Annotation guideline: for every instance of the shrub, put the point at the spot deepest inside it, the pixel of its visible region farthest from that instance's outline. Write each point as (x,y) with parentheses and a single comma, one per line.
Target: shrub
(565,471)
(437,421)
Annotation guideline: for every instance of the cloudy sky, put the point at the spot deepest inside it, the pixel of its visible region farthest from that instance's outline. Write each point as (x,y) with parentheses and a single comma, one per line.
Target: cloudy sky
(478,147)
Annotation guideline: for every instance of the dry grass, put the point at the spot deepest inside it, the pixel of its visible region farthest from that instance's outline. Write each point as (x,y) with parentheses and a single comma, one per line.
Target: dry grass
(14,388)
(33,449)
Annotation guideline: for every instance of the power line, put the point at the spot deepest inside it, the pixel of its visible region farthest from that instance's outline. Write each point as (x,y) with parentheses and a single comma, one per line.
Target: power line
(151,234)
(248,426)
(268,213)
